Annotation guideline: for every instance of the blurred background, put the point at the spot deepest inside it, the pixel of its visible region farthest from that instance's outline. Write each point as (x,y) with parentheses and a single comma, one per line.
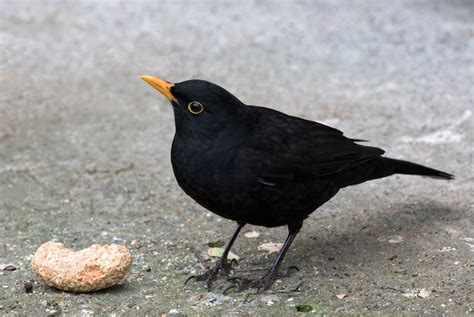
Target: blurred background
(84,145)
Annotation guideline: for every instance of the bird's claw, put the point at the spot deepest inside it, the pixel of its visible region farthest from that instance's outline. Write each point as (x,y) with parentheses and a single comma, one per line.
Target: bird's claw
(206,276)
(261,284)
(190,278)
(222,267)
(226,267)
(231,286)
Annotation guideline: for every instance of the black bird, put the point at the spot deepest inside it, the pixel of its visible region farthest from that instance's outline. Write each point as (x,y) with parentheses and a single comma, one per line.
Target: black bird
(259,166)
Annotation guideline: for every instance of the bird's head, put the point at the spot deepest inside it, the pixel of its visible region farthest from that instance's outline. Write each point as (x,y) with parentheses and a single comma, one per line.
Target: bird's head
(199,106)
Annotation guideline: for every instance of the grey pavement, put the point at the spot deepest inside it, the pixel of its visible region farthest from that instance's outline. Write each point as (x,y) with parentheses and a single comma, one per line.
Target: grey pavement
(84,150)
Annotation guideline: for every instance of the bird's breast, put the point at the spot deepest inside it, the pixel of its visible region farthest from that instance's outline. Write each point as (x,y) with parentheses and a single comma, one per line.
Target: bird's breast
(204,175)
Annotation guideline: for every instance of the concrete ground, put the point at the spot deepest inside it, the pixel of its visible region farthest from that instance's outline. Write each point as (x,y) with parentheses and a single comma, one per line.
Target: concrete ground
(84,150)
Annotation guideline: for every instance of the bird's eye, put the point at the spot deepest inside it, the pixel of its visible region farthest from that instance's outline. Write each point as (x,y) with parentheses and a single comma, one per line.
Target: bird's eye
(195,107)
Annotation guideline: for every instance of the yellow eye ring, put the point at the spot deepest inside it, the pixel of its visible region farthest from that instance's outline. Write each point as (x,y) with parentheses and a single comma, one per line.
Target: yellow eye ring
(195,107)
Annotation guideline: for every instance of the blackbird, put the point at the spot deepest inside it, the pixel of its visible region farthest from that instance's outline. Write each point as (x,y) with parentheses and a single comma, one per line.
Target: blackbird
(259,166)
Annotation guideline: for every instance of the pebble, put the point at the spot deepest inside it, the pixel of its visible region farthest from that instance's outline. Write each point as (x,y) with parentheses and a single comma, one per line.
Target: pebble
(94,268)
(28,286)
(269,300)
(9,268)
(53,312)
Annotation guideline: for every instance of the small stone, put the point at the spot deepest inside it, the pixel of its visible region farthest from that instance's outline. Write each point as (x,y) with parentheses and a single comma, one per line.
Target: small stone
(54,312)
(269,300)
(391,239)
(28,286)
(447,249)
(96,267)
(252,234)
(395,239)
(393,257)
(216,244)
(423,294)
(9,268)
(174,313)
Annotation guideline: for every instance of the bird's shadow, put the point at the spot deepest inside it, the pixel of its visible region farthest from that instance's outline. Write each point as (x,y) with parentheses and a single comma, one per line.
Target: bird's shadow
(354,239)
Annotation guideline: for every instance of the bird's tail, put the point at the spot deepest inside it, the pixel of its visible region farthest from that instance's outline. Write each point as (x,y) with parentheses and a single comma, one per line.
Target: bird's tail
(404,167)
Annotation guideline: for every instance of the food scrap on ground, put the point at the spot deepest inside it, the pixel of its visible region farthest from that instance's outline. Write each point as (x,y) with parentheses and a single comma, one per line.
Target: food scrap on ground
(217,252)
(270,247)
(94,268)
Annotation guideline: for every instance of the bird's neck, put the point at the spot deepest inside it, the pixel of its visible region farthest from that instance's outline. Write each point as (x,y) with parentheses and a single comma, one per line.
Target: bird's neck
(199,141)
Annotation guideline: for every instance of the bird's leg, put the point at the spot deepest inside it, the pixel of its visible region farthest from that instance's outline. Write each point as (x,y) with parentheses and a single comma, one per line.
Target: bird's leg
(222,266)
(272,274)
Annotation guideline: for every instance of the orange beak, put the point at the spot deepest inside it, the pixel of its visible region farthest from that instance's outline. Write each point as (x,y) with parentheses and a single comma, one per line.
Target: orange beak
(161,85)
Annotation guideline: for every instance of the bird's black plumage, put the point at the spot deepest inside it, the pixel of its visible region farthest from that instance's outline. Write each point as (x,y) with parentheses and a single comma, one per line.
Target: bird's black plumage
(260,166)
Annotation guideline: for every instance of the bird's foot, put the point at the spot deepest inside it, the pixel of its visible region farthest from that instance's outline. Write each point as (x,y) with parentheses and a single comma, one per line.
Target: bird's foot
(261,284)
(222,267)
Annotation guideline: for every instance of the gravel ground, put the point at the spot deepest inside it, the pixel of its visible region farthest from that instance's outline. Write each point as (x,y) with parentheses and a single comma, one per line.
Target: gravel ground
(84,150)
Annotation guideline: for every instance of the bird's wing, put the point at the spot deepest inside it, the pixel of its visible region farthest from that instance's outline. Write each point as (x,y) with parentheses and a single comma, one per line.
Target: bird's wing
(283,147)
